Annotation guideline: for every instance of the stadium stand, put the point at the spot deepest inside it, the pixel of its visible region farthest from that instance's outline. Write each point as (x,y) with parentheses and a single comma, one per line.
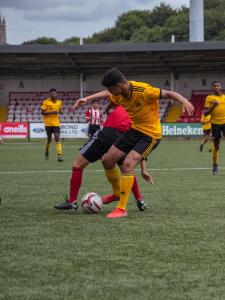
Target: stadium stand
(25,106)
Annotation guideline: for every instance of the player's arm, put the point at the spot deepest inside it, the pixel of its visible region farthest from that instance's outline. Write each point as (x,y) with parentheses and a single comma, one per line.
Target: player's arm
(187,106)
(208,110)
(109,106)
(100,95)
(144,172)
(44,112)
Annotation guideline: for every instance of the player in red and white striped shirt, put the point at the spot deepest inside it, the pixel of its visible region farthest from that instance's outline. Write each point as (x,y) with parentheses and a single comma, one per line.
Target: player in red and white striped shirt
(94,117)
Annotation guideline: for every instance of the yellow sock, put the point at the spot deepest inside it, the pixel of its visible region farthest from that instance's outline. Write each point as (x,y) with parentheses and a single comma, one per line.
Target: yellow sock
(47,145)
(125,189)
(211,146)
(58,148)
(113,176)
(215,156)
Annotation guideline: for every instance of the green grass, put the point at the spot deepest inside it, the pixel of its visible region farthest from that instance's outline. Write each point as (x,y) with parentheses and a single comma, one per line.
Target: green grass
(174,250)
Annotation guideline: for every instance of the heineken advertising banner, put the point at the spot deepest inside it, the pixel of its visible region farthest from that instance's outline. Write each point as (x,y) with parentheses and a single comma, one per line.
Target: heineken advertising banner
(79,130)
(181,129)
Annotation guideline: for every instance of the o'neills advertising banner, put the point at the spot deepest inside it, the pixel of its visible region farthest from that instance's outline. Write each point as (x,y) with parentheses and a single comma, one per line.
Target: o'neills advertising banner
(14,130)
(181,129)
(67,130)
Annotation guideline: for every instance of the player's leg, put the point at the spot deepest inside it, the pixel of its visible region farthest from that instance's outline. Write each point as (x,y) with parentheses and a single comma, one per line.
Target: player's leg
(48,130)
(138,196)
(58,143)
(91,151)
(210,141)
(112,171)
(216,133)
(135,190)
(205,139)
(126,183)
(215,154)
(90,131)
(78,166)
(142,146)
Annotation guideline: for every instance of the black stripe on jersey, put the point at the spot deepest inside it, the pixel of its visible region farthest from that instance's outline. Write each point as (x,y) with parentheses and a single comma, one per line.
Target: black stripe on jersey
(160,95)
(140,89)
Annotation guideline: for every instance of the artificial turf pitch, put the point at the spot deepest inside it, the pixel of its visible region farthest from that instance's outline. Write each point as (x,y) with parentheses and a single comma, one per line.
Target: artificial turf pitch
(174,250)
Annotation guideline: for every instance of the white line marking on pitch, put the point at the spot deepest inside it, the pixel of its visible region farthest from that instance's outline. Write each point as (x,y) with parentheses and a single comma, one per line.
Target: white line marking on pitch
(68,171)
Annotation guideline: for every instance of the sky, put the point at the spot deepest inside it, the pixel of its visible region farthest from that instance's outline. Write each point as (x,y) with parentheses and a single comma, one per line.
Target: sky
(61,19)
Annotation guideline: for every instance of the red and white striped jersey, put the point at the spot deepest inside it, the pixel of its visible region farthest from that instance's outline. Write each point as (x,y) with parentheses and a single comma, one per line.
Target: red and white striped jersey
(94,116)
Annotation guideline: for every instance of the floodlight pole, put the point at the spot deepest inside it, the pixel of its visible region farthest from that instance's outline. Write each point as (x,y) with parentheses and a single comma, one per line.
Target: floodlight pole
(171,72)
(81,76)
(172,81)
(196,21)
(81,85)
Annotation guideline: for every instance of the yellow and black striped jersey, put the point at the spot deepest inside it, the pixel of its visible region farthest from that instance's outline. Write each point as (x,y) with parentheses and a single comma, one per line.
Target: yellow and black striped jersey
(48,105)
(218,113)
(143,108)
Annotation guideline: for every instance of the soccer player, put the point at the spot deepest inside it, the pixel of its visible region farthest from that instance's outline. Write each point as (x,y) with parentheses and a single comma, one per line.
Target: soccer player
(1,140)
(116,124)
(215,106)
(140,100)
(206,126)
(51,107)
(94,117)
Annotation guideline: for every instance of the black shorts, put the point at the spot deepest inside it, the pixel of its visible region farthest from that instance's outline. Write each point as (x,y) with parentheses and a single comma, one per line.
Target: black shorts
(92,129)
(137,141)
(100,143)
(218,130)
(52,129)
(207,131)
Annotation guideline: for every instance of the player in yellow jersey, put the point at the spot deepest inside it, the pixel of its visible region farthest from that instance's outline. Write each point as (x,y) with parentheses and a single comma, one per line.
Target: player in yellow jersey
(215,105)
(206,126)
(140,100)
(51,107)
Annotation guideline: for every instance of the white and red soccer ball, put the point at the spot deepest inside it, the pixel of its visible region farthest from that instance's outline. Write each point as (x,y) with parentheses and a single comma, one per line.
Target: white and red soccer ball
(91,203)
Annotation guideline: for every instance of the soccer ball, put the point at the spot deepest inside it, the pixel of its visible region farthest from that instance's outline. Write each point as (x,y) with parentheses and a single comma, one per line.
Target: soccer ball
(91,203)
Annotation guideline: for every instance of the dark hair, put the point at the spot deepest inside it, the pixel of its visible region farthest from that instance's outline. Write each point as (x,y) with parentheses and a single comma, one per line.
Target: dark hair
(112,78)
(94,101)
(214,82)
(52,90)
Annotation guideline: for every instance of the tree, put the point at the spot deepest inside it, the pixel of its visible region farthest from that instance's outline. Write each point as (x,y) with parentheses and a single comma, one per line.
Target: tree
(130,22)
(106,36)
(42,41)
(156,25)
(160,14)
(74,40)
(177,25)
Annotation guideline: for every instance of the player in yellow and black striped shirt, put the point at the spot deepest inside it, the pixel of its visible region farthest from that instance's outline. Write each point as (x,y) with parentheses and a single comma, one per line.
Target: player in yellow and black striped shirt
(51,107)
(215,106)
(140,100)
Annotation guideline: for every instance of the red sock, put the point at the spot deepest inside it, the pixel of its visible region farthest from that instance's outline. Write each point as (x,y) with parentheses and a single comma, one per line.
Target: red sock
(135,190)
(75,183)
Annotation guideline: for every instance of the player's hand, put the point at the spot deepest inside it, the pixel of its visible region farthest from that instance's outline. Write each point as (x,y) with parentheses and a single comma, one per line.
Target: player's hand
(147,177)
(79,103)
(188,107)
